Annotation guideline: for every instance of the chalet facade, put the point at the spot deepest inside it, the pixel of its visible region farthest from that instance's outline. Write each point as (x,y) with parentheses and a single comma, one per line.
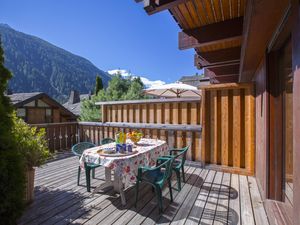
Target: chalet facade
(37,108)
(255,42)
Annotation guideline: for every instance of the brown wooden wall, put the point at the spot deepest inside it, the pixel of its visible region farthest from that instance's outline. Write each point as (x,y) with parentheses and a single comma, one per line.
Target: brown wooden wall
(261,128)
(228,138)
(158,112)
(178,111)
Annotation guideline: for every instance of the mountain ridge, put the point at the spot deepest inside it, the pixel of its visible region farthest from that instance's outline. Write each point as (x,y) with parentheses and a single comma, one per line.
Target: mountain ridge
(38,65)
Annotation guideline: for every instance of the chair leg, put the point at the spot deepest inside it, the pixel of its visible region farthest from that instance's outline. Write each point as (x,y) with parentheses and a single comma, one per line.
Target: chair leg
(93,173)
(78,175)
(178,180)
(183,175)
(159,199)
(88,178)
(170,189)
(136,193)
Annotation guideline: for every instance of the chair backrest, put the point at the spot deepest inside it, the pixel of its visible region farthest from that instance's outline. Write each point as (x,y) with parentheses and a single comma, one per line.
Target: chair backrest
(107,141)
(168,168)
(182,154)
(80,147)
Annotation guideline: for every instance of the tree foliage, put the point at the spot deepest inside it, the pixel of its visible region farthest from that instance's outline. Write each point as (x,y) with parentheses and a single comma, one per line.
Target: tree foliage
(119,88)
(12,177)
(99,84)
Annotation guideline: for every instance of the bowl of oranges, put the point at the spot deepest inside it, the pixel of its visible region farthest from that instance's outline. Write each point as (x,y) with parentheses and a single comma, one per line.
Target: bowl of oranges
(135,136)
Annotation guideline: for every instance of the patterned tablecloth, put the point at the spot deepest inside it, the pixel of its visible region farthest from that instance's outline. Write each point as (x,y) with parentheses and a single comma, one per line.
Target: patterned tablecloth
(127,166)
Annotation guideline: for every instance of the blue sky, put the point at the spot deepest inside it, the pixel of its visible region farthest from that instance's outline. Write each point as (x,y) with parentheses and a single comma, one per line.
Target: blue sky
(112,34)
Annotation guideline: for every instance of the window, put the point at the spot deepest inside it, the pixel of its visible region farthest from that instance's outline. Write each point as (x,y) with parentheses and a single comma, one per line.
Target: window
(48,115)
(21,112)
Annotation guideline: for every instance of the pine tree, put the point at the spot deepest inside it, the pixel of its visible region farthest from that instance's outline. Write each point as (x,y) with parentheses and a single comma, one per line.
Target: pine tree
(99,84)
(12,180)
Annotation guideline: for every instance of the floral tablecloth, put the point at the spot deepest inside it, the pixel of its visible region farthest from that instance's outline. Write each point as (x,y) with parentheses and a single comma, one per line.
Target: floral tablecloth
(127,166)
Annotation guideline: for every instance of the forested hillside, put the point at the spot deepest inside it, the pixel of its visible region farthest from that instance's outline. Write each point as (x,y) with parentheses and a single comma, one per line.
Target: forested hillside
(38,65)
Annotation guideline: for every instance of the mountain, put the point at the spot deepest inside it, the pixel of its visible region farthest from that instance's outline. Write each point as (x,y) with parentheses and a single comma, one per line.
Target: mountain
(39,66)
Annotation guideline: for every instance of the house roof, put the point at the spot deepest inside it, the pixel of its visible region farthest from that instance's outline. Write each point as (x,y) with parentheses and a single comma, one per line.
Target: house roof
(74,108)
(20,99)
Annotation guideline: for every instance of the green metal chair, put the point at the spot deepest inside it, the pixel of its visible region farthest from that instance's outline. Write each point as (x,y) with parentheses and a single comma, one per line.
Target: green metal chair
(107,141)
(179,156)
(78,150)
(156,178)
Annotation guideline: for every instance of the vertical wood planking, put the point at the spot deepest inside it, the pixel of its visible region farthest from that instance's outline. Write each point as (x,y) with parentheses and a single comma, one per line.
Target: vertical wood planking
(131,113)
(159,113)
(224,127)
(114,113)
(152,113)
(214,127)
(120,114)
(249,129)
(184,113)
(194,114)
(237,132)
(175,113)
(144,113)
(167,113)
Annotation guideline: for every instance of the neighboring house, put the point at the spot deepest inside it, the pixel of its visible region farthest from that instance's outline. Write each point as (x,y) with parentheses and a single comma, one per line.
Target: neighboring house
(196,80)
(74,102)
(38,107)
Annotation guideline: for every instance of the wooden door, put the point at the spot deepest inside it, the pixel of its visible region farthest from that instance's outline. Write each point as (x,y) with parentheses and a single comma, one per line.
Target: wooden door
(36,115)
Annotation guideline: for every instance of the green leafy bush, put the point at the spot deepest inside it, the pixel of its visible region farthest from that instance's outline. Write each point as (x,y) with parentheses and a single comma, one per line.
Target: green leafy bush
(31,143)
(12,177)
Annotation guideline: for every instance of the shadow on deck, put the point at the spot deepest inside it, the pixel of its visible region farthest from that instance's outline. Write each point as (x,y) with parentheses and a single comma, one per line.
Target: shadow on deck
(207,197)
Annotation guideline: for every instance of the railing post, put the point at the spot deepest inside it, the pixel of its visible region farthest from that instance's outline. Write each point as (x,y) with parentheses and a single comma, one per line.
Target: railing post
(171,138)
(103,113)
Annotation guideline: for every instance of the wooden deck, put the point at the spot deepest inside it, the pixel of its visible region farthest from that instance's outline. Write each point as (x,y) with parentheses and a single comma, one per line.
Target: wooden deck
(208,197)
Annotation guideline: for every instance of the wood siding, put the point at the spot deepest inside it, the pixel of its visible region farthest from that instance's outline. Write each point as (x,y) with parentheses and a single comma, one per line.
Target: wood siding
(228,127)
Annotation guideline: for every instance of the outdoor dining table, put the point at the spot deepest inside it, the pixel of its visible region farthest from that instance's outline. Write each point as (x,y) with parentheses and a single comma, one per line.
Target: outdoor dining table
(124,168)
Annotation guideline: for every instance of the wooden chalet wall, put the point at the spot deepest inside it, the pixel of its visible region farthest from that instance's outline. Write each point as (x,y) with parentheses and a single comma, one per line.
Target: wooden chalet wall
(228,122)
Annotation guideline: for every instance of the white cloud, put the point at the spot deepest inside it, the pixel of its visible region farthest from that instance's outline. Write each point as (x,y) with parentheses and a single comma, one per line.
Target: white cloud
(148,83)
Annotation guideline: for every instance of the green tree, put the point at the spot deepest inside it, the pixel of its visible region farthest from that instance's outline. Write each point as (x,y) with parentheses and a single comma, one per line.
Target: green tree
(99,84)
(135,90)
(12,177)
(119,88)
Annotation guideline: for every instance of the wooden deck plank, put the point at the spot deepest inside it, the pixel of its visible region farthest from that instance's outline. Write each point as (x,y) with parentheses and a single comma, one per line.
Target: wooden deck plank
(247,216)
(221,216)
(209,212)
(188,203)
(150,212)
(207,197)
(174,207)
(197,210)
(129,214)
(234,215)
(257,204)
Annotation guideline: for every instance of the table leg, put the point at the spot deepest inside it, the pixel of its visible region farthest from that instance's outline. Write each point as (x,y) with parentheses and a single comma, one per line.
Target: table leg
(119,187)
(108,181)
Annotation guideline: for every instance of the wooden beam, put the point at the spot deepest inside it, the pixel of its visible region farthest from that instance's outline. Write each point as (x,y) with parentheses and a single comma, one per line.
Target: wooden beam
(225,79)
(260,22)
(155,6)
(226,69)
(201,63)
(211,34)
(222,55)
